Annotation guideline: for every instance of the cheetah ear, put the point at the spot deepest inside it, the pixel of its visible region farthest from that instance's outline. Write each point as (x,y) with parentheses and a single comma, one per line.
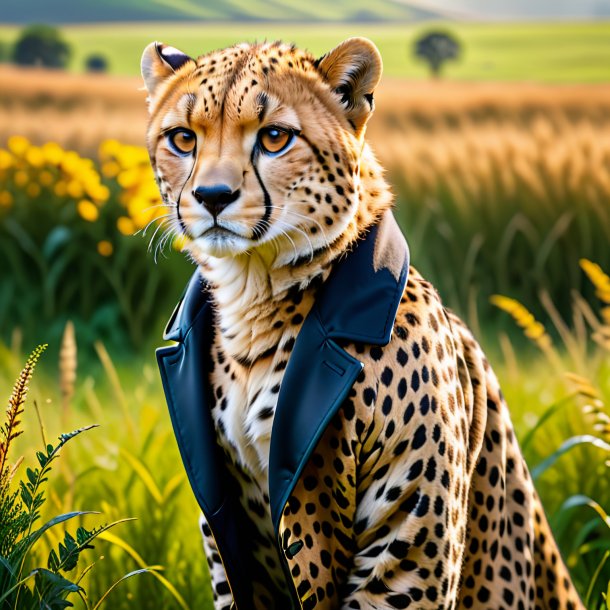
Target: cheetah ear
(160,61)
(353,70)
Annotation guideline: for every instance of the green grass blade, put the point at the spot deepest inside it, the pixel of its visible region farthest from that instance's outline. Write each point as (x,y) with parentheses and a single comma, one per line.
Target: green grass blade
(550,411)
(118,582)
(144,474)
(593,582)
(580,500)
(6,594)
(138,559)
(571,443)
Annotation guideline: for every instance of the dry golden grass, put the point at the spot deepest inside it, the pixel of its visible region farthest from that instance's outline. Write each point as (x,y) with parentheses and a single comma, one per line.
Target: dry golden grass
(77,111)
(541,161)
(486,142)
(80,111)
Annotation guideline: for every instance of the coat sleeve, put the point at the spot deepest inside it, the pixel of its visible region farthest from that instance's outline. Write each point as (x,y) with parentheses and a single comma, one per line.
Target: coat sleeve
(414,472)
(223,600)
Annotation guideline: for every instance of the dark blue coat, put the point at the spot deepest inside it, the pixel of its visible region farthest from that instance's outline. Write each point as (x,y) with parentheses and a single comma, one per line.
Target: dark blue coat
(357,303)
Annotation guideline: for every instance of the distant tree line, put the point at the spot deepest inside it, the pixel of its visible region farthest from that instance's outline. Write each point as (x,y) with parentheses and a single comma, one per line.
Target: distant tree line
(44,46)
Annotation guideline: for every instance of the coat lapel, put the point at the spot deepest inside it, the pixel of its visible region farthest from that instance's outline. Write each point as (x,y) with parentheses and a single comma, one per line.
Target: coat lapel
(183,368)
(358,302)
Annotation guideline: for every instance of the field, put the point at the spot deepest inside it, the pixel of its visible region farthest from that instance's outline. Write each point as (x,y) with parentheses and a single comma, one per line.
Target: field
(557,52)
(501,189)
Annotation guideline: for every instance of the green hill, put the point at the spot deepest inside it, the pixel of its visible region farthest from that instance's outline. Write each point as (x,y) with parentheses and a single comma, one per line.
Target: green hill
(77,11)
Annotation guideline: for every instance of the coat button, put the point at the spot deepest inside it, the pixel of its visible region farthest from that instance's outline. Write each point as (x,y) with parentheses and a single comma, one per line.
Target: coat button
(293,549)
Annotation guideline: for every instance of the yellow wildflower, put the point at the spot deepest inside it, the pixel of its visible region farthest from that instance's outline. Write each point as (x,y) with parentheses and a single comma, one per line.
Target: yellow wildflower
(125,225)
(6,159)
(70,162)
(34,156)
(6,199)
(45,178)
(32,190)
(98,192)
(129,178)
(140,211)
(75,189)
(105,248)
(60,188)
(131,156)
(109,148)
(87,210)
(21,178)
(110,169)
(18,145)
(53,153)
(180,242)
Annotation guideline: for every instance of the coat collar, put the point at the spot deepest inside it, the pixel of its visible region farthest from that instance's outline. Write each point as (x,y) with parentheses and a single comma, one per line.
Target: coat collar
(357,303)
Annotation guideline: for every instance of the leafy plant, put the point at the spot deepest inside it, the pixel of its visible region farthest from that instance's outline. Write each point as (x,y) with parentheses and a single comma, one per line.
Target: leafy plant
(24,585)
(65,219)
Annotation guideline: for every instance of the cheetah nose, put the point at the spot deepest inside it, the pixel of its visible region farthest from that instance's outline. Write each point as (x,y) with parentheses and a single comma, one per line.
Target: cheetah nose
(215,198)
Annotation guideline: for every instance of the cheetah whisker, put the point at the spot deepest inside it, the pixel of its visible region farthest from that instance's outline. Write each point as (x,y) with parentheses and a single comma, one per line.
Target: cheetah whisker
(143,230)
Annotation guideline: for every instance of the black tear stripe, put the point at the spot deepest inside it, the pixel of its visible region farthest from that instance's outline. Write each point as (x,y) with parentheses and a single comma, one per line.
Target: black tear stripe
(262,226)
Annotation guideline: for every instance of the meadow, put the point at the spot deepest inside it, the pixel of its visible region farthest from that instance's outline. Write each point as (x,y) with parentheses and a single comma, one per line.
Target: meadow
(543,52)
(501,190)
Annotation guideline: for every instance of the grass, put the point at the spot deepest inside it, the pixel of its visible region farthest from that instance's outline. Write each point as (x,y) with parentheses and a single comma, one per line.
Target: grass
(500,187)
(544,52)
(511,199)
(130,466)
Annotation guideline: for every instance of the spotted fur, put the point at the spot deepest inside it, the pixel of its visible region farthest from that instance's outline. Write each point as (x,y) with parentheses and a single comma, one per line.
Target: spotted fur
(417,494)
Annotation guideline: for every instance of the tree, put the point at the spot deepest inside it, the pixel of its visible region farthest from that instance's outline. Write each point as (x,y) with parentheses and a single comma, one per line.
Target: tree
(41,45)
(436,48)
(96,63)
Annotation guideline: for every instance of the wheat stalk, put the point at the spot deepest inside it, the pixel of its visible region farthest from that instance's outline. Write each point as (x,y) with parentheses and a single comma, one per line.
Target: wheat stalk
(67,367)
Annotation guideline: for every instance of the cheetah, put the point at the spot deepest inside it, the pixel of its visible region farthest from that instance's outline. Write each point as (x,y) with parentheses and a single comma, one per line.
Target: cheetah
(342,431)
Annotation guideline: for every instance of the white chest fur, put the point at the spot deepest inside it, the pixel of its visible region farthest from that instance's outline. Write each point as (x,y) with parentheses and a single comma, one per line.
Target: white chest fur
(244,410)
(246,399)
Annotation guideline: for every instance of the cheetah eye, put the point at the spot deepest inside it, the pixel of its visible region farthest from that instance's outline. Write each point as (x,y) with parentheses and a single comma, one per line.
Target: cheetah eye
(182,141)
(274,140)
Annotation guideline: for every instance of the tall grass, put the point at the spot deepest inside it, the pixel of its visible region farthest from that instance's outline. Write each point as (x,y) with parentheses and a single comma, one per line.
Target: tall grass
(25,584)
(497,205)
(130,467)
(567,445)
(499,188)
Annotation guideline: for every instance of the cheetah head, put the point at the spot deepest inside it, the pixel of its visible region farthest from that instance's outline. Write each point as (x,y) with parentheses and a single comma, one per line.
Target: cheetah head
(259,147)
